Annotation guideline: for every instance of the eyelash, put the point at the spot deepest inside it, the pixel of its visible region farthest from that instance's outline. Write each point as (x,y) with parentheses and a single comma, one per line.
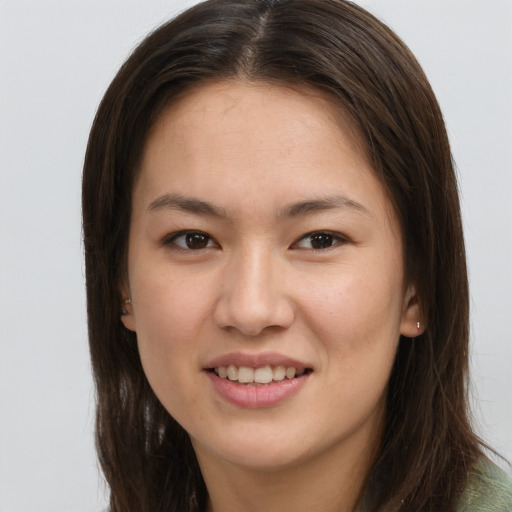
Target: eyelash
(171,240)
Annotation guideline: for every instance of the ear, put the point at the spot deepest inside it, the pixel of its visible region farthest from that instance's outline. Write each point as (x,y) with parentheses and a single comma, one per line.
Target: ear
(126,308)
(411,324)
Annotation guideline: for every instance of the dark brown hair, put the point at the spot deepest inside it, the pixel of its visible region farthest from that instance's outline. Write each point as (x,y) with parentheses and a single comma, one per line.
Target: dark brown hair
(335,47)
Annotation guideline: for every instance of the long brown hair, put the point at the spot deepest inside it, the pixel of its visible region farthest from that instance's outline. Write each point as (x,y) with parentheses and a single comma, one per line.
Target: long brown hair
(341,50)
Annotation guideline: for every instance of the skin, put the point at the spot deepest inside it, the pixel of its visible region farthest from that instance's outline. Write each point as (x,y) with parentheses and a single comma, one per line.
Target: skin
(258,286)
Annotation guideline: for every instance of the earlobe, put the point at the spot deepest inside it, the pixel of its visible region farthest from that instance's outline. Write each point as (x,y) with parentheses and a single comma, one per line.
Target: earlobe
(412,324)
(126,306)
(127,314)
(126,309)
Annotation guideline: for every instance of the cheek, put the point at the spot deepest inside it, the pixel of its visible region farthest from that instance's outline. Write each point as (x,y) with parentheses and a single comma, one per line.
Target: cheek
(356,313)
(355,301)
(171,300)
(171,313)
(356,319)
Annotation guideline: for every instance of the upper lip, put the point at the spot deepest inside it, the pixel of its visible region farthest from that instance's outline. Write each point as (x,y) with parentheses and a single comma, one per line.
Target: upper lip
(255,360)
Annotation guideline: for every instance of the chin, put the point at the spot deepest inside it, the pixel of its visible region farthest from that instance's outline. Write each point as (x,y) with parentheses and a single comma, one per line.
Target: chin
(263,460)
(259,449)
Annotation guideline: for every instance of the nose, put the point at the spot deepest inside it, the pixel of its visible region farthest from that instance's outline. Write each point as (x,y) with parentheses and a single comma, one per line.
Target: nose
(253,298)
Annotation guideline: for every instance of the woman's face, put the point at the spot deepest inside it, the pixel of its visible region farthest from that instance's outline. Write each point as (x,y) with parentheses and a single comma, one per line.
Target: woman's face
(262,246)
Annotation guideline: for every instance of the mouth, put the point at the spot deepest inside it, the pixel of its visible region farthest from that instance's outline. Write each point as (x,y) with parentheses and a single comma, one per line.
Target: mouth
(259,376)
(253,381)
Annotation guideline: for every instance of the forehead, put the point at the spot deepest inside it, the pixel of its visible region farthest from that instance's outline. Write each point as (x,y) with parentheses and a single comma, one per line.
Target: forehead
(245,105)
(250,139)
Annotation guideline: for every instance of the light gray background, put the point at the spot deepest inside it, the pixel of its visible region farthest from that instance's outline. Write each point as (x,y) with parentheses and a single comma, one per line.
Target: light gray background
(56,59)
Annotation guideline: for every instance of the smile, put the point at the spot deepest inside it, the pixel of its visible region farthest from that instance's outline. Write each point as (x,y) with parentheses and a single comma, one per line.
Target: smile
(259,376)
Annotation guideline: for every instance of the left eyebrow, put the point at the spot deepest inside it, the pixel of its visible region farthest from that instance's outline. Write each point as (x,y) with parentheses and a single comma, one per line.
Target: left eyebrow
(312,206)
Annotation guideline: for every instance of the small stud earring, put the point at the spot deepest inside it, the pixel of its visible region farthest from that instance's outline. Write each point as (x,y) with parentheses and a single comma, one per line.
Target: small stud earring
(418,325)
(123,311)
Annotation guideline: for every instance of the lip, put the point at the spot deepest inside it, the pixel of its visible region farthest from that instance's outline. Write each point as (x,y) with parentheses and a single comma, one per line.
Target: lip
(252,396)
(255,397)
(255,360)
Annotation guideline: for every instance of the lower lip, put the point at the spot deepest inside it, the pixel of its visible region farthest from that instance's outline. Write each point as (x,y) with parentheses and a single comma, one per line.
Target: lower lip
(255,397)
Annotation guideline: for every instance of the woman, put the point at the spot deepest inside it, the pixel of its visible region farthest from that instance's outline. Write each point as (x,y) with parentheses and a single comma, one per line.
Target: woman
(276,278)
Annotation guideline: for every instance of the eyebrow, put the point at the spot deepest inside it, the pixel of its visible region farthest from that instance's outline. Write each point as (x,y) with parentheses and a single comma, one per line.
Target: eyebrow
(187,204)
(300,209)
(313,206)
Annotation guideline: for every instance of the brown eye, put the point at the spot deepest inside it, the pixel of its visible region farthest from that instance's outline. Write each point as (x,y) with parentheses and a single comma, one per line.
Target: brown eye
(320,240)
(192,240)
(196,240)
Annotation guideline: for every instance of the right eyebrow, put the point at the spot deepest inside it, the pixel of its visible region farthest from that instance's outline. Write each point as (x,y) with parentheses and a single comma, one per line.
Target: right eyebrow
(187,204)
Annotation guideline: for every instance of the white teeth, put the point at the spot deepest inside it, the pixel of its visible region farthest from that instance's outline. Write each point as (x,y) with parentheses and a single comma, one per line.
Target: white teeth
(232,372)
(263,375)
(290,372)
(279,373)
(245,375)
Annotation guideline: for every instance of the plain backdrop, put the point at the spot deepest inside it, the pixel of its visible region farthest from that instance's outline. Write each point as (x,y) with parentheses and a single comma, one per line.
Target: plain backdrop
(56,60)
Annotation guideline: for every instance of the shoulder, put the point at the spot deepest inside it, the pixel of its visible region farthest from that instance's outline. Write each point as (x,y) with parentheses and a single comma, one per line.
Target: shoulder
(489,489)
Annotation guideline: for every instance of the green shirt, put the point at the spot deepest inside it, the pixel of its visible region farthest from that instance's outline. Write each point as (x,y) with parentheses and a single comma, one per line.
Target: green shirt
(489,490)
